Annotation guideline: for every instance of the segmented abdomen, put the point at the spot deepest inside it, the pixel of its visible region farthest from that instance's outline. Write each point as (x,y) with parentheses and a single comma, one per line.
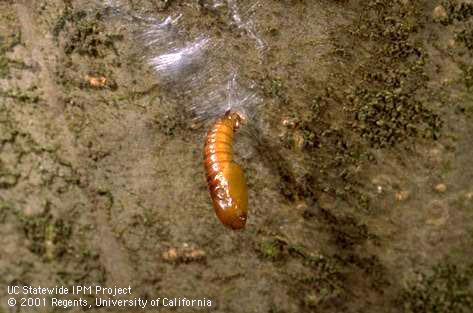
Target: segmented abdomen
(225,178)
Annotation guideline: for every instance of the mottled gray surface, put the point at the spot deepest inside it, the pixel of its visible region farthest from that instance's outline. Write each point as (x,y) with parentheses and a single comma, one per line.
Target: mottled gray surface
(358,160)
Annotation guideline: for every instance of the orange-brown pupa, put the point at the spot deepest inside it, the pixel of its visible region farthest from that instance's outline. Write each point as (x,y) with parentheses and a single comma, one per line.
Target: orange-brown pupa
(225,178)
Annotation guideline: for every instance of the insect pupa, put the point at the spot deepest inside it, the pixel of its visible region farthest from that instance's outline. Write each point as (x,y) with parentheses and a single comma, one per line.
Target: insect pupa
(225,178)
